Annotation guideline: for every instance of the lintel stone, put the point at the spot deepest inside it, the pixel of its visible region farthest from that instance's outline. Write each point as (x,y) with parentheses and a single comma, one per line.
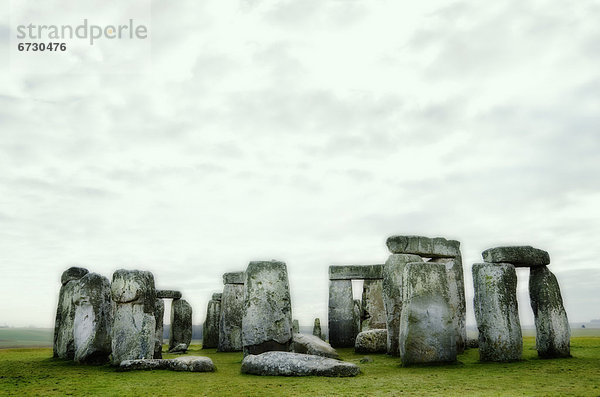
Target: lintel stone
(437,247)
(234,278)
(356,272)
(168,294)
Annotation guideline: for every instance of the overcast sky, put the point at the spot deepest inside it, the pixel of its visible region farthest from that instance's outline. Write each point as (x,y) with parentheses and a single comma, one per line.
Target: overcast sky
(304,131)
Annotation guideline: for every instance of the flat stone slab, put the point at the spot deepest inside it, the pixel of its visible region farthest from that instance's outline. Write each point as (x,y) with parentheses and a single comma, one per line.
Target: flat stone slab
(437,247)
(276,363)
(371,341)
(234,278)
(314,345)
(188,364)
(355,272)
(168,294)
(518,256)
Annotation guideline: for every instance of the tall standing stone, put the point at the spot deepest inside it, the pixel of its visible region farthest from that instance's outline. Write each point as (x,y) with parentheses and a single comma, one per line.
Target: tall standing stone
(267,320)
(356,319)
(341,314)
(134,325)
(295,327)
(159,313)
(373,310)
(553,333)
(392,297)
(497,312)
(232,312)
(181,324)
(93,319)
(210,328)
(317,328)
(63,345)
(426,330)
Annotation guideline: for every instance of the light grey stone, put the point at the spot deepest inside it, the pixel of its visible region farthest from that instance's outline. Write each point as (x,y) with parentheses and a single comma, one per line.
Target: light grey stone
(210,328)
(179,348)
(188,363)
(181,323)
(278,363)
(93,319)
(230,322)
(341,314)
(317,329)
(310,344)
(143,364)
(497,312)
(63,344)
(234,278)
(426,330)
(371,341)
(267,319)
(159,313)
(295,327)
(518,256)
(392,297)
(373,310)
(355,272)
(553,334)
(134,325)
(437,247)
(168,294)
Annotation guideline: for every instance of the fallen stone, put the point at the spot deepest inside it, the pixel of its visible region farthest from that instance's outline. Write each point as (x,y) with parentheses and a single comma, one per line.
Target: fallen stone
(518,256)
(371,341)
(496,312)
(295,327)
(230,322)
(366,359)
(159,312)
(341,314)
(426,329)
(189,364)
(267,319)
(317,329)
(278,363)
(310,344)
(373,309)
(181,323)
(179,348)
(553,334)
(210,328)
(143,364)
(234,278)
(437,247)
(168,294)
(355,272)
(63,344)
(93,320)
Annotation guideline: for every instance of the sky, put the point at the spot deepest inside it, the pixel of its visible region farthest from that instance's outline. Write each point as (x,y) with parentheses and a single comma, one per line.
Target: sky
(303,131)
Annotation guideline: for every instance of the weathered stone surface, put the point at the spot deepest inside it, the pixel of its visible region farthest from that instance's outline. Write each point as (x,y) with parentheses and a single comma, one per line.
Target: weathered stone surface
(456,289)
(188,363)
(159,313)
(295,327)
(355,272)
(496,312)
(472,343)
(63,345)
(181,323)
(168,294)
(134,325)
(230,322)
(426,330)
(310,344)
(392,297)
(93,319)
(234,278)
(317,329)
(341,313)
(210,328)
(553,334)
(267,319)
(179,348)
(371,341)
(437,247)
(373,310)
(217,296)
(356,319)
(278,363)
(518,256)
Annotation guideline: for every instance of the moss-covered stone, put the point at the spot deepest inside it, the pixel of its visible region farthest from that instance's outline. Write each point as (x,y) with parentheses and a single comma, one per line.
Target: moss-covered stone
(230,320)
(181,323)
(341,314)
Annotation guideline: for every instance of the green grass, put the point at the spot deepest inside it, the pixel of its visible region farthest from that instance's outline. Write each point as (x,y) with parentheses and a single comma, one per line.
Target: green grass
(34,372)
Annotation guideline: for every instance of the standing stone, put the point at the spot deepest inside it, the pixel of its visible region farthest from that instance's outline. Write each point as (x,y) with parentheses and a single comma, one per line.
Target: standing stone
(181,324)
(356,318)
(426,329)
(497,312)
(267,320)
(456,288)
(159,313)
(553,334)
(295,327)
(232,311)
(63,345)
(210,328)
(392,297)
(341,314)
(134,325)
(317,329)
(93,319)
(373,309)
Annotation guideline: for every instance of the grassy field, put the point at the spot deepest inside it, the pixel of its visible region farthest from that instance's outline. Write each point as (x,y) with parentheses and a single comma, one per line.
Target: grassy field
(33,372)
(25,337)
